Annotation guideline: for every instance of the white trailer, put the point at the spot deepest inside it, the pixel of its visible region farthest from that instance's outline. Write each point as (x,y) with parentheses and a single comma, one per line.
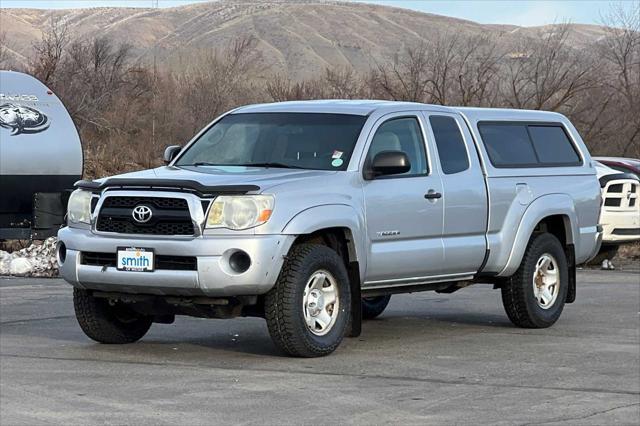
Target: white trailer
(40,158)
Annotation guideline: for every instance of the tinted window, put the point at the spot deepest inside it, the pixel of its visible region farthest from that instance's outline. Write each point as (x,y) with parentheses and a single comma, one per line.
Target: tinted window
(296,140)
(528,145)
(451,148)
(508,145)
(552,145)
(401,134)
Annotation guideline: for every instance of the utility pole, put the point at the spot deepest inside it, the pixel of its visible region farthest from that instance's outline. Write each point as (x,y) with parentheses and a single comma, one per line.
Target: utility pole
(154,5)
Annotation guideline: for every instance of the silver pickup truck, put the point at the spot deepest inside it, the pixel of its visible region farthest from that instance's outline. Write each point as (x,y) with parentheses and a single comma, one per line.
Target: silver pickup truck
(311,214)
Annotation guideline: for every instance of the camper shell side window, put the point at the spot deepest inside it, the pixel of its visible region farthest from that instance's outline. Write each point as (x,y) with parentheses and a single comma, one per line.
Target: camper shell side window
(528,144)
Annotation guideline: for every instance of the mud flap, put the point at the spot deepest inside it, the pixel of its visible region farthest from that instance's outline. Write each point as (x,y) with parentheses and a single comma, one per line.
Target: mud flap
(49,209)
(571,262)
(355,327)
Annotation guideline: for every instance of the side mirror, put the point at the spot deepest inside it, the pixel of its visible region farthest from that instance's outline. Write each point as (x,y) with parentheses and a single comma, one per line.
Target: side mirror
(388,163)
(170,153)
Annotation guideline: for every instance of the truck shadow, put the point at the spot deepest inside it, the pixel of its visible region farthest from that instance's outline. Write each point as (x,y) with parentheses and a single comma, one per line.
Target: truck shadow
(194,340)
(379,332)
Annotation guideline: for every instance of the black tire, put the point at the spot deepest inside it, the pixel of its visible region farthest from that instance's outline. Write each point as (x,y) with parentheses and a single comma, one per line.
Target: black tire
(518,294)
(284,303)
(374,306)
(105,323)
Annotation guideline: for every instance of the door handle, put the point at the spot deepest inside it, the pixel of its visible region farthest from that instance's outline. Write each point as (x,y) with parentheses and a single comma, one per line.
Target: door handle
(432,195)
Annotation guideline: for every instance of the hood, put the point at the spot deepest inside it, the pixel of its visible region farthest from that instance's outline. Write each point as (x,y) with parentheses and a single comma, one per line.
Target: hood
(602,170)
(607,174)
(265,178)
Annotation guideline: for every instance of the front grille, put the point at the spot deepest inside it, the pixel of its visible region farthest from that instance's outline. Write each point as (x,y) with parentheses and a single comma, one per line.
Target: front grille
(615,188)
(174,263)
(621,196)
(170,216)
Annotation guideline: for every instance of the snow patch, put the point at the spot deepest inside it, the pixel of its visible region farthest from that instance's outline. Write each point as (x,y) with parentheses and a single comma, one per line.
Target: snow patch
(37,260)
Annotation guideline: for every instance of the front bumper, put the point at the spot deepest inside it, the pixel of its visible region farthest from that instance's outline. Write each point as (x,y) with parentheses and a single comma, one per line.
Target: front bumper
(213,277)
(620,226)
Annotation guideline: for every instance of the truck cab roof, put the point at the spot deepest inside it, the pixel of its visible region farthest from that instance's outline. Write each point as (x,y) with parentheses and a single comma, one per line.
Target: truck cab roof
(367,107)
(339,106)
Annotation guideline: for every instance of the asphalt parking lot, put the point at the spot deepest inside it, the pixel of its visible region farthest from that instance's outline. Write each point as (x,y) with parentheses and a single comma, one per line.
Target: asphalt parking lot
(429,359)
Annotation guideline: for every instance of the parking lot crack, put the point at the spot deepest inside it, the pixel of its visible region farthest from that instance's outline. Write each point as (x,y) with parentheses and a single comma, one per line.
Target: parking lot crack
(573,418)
(36,319)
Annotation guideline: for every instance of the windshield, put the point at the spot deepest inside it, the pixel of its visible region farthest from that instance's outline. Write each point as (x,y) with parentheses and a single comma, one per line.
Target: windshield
(287,140)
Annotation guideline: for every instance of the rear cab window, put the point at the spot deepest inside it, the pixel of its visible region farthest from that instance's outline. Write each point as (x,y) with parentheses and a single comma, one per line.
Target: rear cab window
(450,144)
(528,144)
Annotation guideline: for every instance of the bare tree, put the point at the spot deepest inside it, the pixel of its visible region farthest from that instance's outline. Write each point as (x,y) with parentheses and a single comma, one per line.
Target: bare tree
(3,48)
(217,80)
(406,78)
(477,68)
(94,73)
(450,69)
(341,83)
(621,49)
(545,73)
(49,50)
(336,83)
(281,88)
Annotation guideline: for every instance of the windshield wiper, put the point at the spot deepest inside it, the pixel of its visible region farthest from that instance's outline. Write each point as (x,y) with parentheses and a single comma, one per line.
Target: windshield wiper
(274,165)
(203,163)
(267,165)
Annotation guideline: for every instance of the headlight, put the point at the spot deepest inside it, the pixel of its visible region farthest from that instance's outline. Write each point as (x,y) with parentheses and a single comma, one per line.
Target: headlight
(240,212)
(79,207)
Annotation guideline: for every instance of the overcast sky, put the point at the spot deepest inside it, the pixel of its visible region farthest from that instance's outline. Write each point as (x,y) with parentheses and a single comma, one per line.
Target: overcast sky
(524,12)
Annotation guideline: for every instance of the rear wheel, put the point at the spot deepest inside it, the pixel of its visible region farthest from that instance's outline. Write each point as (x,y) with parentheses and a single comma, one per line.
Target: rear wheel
(374,306)
(307,311)
(535,295)
(105,322)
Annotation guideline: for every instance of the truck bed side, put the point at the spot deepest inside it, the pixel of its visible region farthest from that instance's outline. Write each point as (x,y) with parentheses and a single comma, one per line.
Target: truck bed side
(522,198)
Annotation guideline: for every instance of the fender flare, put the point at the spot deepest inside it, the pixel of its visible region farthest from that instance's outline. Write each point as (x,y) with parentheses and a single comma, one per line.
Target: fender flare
(338,216)
(540,208)
(326,216)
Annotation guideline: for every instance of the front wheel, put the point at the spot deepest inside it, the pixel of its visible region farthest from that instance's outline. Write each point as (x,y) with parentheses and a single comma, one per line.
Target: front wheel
(535,295)
(308,309)
(108,323)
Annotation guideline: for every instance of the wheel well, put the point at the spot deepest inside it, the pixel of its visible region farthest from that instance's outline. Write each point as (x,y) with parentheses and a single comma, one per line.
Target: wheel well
(556,225)
(341,240)
(560,226)
(338,239)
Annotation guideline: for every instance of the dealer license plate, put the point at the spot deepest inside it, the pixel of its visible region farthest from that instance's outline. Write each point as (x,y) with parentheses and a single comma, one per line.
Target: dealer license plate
(135,259)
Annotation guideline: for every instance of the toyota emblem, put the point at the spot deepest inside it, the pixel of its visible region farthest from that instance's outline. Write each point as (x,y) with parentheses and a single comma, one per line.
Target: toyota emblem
(142,214)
